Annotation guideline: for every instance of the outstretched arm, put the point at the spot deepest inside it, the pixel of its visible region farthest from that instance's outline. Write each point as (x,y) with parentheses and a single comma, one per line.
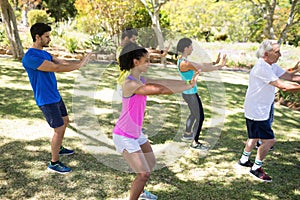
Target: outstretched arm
(291,77)
(208,67)
(285,86)
(156,87)
(58,65)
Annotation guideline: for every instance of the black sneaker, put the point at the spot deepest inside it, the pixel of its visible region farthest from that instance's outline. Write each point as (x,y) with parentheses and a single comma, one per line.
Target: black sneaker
(64,151)
(246,164)
(261,175)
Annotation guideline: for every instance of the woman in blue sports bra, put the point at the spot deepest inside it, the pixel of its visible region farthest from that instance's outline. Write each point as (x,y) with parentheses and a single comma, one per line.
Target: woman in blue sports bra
(186,70)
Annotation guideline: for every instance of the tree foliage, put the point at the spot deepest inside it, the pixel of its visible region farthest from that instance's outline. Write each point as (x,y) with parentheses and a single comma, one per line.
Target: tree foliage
(210,20)
(236,20)
(104,15)
(279,17)
(61,9)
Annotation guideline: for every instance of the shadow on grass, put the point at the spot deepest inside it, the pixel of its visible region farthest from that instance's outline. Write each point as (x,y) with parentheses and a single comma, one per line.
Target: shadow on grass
(23,175)
(23,163)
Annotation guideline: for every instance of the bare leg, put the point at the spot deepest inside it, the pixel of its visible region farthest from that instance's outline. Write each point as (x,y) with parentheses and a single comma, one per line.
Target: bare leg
(57,139)
(141,162)
(149,155)
(250,144)
(138,163)
(264,148)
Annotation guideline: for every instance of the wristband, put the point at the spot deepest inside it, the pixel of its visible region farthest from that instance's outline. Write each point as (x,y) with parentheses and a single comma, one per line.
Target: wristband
(188,82)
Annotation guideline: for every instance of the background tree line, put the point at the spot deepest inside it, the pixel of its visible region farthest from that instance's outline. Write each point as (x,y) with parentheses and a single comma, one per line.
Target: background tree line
(204,20)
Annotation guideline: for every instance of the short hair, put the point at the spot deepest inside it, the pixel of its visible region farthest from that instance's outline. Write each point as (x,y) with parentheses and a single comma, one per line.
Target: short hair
(39,29)
(265,46)
(183,43)
(129,32)
(130,52)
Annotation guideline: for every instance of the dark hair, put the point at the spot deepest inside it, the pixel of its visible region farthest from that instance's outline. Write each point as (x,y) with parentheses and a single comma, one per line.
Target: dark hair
(182,43)
(39,29)
(130,52)
(129,32)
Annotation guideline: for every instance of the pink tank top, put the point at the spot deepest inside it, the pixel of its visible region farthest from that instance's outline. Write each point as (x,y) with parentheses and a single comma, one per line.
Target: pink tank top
(131,118)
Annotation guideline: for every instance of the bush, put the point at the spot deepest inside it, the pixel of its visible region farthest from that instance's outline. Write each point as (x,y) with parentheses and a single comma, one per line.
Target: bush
(39,16)
(71,44)
(101,43)
(4,41)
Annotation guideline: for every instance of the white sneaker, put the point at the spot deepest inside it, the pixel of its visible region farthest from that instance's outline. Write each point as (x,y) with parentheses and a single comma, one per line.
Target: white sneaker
(147,196)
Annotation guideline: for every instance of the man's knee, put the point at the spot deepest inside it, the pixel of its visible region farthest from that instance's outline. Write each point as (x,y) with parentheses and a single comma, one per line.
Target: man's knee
(66,120)
(269,142)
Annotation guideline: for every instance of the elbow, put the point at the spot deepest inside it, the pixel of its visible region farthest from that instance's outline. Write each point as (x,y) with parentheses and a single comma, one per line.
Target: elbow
(166,91)
(163,90)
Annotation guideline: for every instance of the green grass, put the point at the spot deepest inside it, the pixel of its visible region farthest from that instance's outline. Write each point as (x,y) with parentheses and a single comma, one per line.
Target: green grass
(191,176)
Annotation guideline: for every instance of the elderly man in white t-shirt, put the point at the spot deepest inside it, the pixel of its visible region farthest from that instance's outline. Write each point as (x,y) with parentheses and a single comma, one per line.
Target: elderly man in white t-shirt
(264,77)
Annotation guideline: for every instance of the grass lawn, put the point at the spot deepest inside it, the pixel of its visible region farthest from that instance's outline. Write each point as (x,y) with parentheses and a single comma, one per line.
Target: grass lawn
(99,172)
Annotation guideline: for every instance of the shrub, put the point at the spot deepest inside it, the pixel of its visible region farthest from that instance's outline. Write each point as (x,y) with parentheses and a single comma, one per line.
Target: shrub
(101,43)
(4,41)
(39,16)
(71,44)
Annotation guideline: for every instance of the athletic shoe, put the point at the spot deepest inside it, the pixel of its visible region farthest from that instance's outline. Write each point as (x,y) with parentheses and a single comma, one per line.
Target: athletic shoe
(259,173)
(258,144)
(65,151)
(198,146)
(188,137)
(246,164)
(147,196)
(59,168)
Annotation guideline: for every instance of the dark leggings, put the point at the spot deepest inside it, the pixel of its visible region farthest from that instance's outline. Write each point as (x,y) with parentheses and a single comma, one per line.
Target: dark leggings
(196,118)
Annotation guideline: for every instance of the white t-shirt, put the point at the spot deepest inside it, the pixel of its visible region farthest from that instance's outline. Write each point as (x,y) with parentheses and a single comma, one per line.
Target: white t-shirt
(260,94)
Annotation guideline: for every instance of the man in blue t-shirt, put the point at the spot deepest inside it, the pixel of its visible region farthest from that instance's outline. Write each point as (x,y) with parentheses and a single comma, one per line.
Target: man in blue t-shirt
(40,67)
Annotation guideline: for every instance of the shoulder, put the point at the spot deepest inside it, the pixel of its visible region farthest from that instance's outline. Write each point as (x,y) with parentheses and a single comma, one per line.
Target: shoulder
(129,87)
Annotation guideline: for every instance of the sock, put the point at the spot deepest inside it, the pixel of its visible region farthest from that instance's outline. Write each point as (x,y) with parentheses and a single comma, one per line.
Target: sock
(245,157)
(54,163)
(257,164)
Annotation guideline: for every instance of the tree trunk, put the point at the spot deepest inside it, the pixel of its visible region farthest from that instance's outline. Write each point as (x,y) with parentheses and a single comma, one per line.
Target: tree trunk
(269,30)
(157,29)
(289,22)
(155,23)
(10,21)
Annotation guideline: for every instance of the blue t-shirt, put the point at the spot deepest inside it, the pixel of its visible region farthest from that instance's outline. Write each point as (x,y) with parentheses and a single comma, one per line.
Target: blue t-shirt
(44,84)
(188,75)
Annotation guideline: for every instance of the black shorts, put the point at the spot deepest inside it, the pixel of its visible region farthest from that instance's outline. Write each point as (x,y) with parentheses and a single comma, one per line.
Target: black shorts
(54,113)
(259,129)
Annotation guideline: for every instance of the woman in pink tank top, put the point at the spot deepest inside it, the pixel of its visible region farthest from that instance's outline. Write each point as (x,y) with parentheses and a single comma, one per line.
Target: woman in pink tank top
(127,134)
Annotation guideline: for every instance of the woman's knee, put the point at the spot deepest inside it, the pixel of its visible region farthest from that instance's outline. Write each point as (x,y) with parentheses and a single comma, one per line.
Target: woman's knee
(144,176)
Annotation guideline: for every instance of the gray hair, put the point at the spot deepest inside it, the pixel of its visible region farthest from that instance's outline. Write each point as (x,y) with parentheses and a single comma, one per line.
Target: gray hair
(266,45)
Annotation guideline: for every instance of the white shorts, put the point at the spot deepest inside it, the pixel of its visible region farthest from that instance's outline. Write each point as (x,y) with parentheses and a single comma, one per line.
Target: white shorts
(130,144)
